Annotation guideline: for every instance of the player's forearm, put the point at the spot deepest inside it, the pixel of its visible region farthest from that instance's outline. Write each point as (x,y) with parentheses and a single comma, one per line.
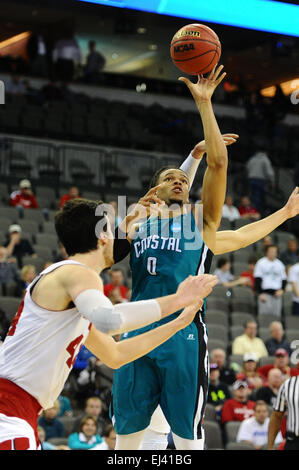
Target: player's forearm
(274,427)
(134,348)
(255,231)
(215,146)
(190,166)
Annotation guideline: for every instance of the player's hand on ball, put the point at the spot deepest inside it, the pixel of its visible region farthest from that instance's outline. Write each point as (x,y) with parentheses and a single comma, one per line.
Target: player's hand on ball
(200,148)
(195,288)
(203,90)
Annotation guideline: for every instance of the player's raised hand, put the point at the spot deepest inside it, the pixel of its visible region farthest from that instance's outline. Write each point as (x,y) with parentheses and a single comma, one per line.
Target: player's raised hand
(203,90)
(150,203)
(200,148)
(292,206)
(195,288)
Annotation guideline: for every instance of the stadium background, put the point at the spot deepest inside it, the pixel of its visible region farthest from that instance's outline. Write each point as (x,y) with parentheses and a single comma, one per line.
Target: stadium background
(108,136)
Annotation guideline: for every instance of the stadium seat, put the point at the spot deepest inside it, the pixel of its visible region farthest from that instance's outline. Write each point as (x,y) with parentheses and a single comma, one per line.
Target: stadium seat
(266,360)
(210,413)
(225,224)
(242,305)
(241,222)
(243,293)
(44,252)
(38,262)
(231,430)
(10,213)
(216,317)
(19,165)
(216,344)
(34,214)
(29,226)
(236,331)
(242,256)
(68,423)
(264,320)
(217,304)
(238,268)
(220,291)
(49,228)
(58,441)
(264,333)
(217,332)
(47,239)
(292,322)
(239,446)
(80,172)
(213,439)
(236,358)
(292,334)
(240,318)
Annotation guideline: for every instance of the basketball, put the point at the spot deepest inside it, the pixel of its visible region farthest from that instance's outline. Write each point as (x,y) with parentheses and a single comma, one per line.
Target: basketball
(195,49)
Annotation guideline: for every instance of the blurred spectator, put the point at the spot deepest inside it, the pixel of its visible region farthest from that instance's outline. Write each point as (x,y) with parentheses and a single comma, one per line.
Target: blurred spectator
(290,256)
(270,282)
(249,273)
(65,408)
(46,265)
(18,247)
(115,296)
(268,393)
(37,53)
(254,430)
(95,62)
(248,342)
(116,280)
(227,374)
(249,373)
(225,277)
(82,359)
(15,85)
(229,211)
(9,273)
(218,391)
(28,273)
(48,445)
(4,325)
(66,55)
(293,278)
(93,408)
(281,362)
(239,407)
(277,340)
(109,437)
(260,171)
(267,241)
(87,437)
(247,211)
(52,425)
(72,194)
(23,198)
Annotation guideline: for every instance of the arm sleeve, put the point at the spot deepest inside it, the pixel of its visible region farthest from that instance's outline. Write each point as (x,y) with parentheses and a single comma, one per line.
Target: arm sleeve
(114,319)
(121,246)
(258,284)
(190,166)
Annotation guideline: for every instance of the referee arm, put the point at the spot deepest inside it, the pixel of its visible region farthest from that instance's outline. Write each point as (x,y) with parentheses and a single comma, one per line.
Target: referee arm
(274,427)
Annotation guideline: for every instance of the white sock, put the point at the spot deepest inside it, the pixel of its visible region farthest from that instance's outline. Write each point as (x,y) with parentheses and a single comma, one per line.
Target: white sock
(129,441)
(189,444)
(154,441)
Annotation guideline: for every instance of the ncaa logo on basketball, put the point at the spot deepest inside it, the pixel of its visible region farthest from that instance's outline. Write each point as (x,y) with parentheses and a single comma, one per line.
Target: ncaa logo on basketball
(184,47)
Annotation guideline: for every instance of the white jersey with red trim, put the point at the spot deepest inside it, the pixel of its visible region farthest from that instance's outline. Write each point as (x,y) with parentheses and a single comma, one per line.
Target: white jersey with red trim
(41,346)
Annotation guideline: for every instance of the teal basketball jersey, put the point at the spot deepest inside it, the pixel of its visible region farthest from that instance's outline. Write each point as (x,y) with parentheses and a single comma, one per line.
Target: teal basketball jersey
(164,253)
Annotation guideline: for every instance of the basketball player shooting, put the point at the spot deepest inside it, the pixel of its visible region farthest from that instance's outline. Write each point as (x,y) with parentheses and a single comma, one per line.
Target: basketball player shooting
(65,307)
(174,376)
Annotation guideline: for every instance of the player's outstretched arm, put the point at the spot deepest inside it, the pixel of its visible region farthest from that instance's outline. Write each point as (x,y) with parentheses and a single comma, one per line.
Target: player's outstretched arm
(214,183)
(118,354)
(85,290)
(232,240)
(191,163)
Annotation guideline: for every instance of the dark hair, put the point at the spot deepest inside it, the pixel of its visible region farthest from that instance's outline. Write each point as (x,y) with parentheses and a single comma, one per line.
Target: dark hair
(252,260)
(86,418)
(270,246)
(107,430)
(75,225)
(154,180)
(221,262)
(249,321)
(260,403)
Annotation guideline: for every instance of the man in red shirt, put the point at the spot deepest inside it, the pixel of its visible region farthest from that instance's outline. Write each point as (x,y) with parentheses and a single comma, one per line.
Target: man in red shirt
(117,283)
(23,197)
(72,194)
(247,211)
(249,272)
(281,361)
(239,407)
